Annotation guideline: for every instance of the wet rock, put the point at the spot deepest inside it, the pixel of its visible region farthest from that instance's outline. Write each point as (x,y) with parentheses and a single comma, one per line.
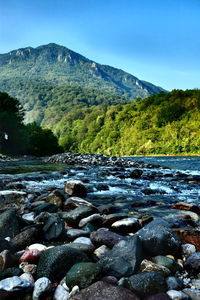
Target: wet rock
(117,267)
(74,202)
(187,207)
(31,256)
(75,233)
(126,225)
(39,247)
(105,237)
(95,219)
(187,249)
(12,199)
(196,283)
(148,266)
(74,216)
(137,173)
(28,277)
(75,188)
(5,245)
(7,259)
(157,238)
(10,272)
(29,217)
(83,240)
(56,197)
(146,283)
(108,220)
(55,262)
(129,250)
(88,249)
(82,274)
(174,283)
(159,296)
(193,261)
(194,294)
(167,262)
(46,207)
(177,295)
(61,293)
(53,228)
(110,279)
(28,268)
(104,291)
(41,286)
(101,251)
(26,238)
(9,225)
(14,283)
(189,235)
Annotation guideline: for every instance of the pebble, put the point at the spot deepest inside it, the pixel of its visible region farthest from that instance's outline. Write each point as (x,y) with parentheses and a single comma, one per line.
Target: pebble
(39,247)
(14,283)
(42,285)
(28,277)
(101,251)
(60,293)
(148,266)
(177,295)
(95,218)
(83,240)
(74,291)
(187,249)
(31,256)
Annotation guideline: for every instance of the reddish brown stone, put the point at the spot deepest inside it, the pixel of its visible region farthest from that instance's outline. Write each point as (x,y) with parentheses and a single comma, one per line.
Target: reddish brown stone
(187,207)
(189,235)
(31,256)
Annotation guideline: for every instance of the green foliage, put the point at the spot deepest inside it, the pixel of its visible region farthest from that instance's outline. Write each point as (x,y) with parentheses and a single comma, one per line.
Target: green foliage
(16,138)
(160,124)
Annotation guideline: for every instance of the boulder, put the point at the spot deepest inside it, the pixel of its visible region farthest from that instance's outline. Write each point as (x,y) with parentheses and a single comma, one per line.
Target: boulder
(56,197)
(103,236)
(9,225)
(82,274)
(146,284)
(55,262)
(74,216)
(12,200)
(101,290)
(193,261)
(75,188)
(157,238)
(26,238)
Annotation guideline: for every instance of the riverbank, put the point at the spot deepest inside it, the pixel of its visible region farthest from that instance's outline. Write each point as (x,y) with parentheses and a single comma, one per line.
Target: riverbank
(67,235)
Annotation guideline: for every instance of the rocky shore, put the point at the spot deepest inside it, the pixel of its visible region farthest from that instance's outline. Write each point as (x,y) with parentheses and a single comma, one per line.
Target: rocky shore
(57,244)
(96,160)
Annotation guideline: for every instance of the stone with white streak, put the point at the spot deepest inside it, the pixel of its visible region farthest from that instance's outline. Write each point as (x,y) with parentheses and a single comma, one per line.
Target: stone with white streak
(42,285)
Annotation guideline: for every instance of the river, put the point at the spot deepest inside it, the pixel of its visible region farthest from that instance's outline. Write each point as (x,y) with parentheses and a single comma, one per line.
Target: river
(153,193)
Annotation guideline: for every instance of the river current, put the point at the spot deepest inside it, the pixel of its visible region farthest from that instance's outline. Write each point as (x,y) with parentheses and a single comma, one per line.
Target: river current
(154,192)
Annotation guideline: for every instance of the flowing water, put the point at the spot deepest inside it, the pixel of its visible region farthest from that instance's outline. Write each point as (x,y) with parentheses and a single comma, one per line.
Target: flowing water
(155,191)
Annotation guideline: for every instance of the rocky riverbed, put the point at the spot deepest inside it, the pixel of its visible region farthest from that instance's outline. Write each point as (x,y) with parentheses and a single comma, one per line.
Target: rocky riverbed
(100,232)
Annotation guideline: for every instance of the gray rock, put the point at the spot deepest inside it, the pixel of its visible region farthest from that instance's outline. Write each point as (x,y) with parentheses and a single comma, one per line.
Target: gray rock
(42,285)
(146,283)
(12,200)
(60,293)
(14,283)
(118,267)
(101,290)
(194,294)
(105,237)
(196,283)
(130,250)
(187,249)
(82,274)
(75,233)
(126,225)
(5,245)
(9,225)
(74,202)
(108,220)
(55,262)
(193,261)
(95,219)
(177,295)
(75,188)
(174,283)
(74,216)
(83,240)
(157,238)
(26,238)
(53,228)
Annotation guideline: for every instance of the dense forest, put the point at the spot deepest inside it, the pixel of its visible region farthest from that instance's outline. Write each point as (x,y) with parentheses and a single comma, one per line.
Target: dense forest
(17,138)
(160,124)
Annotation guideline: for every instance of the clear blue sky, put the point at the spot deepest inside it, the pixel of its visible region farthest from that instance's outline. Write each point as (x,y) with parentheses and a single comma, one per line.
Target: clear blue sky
(157,41)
